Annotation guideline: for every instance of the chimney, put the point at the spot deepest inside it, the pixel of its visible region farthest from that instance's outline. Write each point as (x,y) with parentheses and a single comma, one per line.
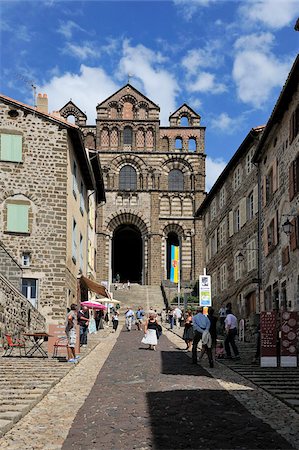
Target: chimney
(42,103)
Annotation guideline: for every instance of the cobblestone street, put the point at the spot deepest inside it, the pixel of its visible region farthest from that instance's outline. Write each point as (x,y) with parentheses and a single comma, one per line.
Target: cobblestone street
(144,399)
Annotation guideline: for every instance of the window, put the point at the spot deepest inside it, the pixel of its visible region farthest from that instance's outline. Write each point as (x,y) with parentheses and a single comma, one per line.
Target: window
(214,284)
(237,267)
(11,147)
(179,143)
(26,259)
(248,163)
(91,213)
(223,277)
(89,253)
(251,254)
(74,241)
(269,186)
(222,197)
(175,180)
(128,136)
(237,178)
(29,290)
(294,178)
(213,209)
(127,178)
(237,220)
(192,145)
(17,218)
(165,143)
(81,252)
(75,181)
(222,233)
(184,122)
(82,198)
(250,206)
(294,125)
(271,235)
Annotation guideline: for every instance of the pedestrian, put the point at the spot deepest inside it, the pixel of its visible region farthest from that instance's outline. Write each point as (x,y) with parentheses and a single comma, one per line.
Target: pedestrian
(170,319)
(177,313)
(115,321)
(151,332)
(139,318)
(188,331)
(70,330)
(83,321)
(201,324)
(128,285)
(213,333)
(129,318)
(117,278)
(231,328)
(222,316)
(106,319)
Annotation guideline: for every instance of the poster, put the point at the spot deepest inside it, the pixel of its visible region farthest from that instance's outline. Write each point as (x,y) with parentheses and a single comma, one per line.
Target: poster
(205,298)
(288,353)
(268,339)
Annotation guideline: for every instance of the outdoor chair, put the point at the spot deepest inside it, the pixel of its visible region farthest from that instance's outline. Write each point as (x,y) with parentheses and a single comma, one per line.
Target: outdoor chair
(12,345)
(61,342)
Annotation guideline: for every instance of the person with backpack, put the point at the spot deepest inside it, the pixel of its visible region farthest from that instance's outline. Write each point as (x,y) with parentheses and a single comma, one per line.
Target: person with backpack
(152,332)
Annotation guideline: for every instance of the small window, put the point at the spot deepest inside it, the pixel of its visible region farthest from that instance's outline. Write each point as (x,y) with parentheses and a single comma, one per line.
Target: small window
(192,145)
(29,290)
(223,277)
(222,197)
(81,252)
(26,259)
(17,218)
(82,203)
(237,268)
(75,180)
(74,242)
(184,122)
(251,254)
(249,164)
(128,136)
(127,178)
(11,147)
(175,180)
(237,178)
(250,206)
(179,143)
(237,220)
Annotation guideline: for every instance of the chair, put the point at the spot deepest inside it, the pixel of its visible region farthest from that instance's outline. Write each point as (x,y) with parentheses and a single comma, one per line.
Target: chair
(61,342)
(11,345)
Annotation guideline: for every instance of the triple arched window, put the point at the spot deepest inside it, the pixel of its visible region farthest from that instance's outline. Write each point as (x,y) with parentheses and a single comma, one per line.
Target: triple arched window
(127,178)
(175,180)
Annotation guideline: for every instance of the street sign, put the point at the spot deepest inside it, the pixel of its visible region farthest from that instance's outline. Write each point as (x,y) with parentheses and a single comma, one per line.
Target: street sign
(205,298)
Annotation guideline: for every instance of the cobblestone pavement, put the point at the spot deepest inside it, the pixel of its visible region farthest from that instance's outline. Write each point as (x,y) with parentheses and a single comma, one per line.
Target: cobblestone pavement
(158,400)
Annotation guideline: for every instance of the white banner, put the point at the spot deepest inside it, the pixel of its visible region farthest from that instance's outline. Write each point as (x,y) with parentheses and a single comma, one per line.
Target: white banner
(205,298)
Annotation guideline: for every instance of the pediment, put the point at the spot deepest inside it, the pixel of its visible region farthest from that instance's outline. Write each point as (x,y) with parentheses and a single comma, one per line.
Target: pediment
(128,93)
(184,110)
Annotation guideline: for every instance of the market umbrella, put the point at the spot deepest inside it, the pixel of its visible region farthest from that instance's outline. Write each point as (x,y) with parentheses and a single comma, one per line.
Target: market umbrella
(112,301)
(93,305)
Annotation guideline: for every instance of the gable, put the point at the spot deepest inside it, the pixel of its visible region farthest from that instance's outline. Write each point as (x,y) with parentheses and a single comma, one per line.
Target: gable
(128,93)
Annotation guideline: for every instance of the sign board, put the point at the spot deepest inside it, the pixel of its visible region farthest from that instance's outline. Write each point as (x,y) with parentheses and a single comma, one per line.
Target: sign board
(288,353)
(268,323)
(205,298)
(58,331)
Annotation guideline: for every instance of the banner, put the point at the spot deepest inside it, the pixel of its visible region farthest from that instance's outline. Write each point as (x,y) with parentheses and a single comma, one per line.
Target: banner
(205,298)
(288,347)
(268,323)
(174,269)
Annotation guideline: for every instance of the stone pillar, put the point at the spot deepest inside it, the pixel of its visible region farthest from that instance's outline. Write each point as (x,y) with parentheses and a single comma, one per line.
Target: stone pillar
(155,275)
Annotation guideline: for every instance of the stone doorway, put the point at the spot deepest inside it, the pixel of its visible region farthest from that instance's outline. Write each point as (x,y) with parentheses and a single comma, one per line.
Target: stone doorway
(127,254)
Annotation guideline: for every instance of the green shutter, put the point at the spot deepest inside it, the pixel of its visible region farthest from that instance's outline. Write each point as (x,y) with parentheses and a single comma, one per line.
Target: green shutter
(11,147)
(17,218)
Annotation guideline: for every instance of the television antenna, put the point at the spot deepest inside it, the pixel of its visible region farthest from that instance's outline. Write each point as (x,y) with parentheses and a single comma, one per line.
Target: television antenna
(30,83)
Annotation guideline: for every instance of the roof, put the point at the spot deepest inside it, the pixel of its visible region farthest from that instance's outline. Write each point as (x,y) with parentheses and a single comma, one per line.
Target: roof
(291,85)
(74,133)
(134,89)
(98,174)
(187,106)
(249,140)
(70,102)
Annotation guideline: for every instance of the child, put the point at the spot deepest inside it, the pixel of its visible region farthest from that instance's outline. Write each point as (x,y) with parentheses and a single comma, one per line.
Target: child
(219,350)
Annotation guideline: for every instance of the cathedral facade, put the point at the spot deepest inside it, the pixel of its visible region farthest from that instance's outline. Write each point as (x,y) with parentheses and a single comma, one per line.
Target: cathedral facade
(154,181)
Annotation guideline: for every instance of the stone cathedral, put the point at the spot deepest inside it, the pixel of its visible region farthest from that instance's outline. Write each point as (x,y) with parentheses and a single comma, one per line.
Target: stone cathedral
(154,181)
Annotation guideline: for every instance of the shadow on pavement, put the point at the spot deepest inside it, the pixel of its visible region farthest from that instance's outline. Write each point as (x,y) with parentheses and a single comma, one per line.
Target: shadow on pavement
(178,363)
(207,419)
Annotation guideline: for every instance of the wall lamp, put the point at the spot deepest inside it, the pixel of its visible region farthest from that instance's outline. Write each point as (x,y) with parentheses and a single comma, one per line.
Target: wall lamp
(287,227)
(240,256)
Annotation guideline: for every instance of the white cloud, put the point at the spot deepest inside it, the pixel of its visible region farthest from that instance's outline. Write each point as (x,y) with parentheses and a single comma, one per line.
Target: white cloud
(157,83)
(67,28)
(82,52)
(89,87)
(203,57)
(190,7)
(256,70)
(214,167)
(224,123)
(195,103)
(273,13)
(205,82)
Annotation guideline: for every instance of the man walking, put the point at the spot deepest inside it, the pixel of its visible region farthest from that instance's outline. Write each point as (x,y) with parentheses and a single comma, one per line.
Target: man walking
(139,318)
(129,318)
(200,324)
(231,328)
(177,313)
(70,330)
(83,321)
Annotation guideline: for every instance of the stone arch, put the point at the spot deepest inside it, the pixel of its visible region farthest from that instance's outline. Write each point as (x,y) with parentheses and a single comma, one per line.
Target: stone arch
(165,143)
(127,216)
(133,160)
(142,110)
(70,109)
(177,163)
(173,227)
(113,110)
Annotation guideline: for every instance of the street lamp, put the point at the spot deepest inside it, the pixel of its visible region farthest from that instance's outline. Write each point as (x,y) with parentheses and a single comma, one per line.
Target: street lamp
(287,227)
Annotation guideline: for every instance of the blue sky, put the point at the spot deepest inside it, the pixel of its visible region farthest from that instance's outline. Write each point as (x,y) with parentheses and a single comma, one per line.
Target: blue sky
(227,59)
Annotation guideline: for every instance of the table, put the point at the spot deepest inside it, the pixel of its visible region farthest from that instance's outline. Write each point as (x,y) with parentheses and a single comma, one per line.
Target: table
(36,340)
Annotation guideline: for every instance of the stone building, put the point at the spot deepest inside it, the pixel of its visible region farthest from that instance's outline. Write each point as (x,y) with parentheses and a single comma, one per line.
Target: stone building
(45,179)
(277,157)
(154,181)
(229,214)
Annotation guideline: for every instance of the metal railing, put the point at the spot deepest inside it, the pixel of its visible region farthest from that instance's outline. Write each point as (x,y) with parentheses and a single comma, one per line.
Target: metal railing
(9,267)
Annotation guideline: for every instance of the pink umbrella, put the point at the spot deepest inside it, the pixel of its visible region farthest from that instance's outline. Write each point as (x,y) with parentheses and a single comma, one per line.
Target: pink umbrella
(93,305)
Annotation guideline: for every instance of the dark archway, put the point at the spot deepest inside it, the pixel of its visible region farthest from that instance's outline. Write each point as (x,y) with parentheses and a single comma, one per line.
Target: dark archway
(127,254)
(172,239)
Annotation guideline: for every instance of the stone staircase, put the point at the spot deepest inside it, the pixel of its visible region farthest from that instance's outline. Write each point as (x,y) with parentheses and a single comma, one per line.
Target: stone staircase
(138,295)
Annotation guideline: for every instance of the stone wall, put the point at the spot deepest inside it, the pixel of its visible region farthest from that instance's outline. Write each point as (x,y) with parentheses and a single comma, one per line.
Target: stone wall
(17,315)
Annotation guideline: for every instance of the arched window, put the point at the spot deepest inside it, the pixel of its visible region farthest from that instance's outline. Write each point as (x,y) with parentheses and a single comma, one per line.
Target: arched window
(175,180)
(127,178)
(184,121)
(179,143)
(192,145)
(71,119)
(128,136)
(165,143)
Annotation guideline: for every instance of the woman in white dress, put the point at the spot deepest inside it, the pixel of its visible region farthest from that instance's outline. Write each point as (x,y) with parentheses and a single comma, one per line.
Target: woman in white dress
(150,332)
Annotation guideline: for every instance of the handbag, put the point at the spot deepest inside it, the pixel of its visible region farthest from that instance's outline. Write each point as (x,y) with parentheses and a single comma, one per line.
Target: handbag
(158,330)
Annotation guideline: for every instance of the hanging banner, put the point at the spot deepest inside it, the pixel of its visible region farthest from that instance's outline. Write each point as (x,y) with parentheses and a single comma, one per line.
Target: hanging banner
(174,269)
(268,322)
(288,348)
(205,298)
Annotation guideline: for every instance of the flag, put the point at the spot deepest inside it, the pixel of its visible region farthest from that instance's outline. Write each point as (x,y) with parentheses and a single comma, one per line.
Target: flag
(174,269)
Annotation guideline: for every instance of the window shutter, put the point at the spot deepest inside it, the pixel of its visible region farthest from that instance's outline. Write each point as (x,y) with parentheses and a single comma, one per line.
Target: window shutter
(231,223)
(275,230)
(17,218)
(265,241)
(275,175)
(264,190)
(291,181)
(215,240)
(243,211)
(255,199)
(210,248)
(11,147)
(293,243)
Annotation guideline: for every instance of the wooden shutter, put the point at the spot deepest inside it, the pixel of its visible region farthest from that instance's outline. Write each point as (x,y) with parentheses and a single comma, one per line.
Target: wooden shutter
(291,181)
(293,240)
(275,230)
(275,175)
(264,190)
(265,241)
(17,218)
(230,223)
(11,147)
(243,205)
(255,199)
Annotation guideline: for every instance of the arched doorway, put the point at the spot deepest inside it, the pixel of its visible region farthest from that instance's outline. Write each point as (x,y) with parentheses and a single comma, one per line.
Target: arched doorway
(127,253)
(172,239)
